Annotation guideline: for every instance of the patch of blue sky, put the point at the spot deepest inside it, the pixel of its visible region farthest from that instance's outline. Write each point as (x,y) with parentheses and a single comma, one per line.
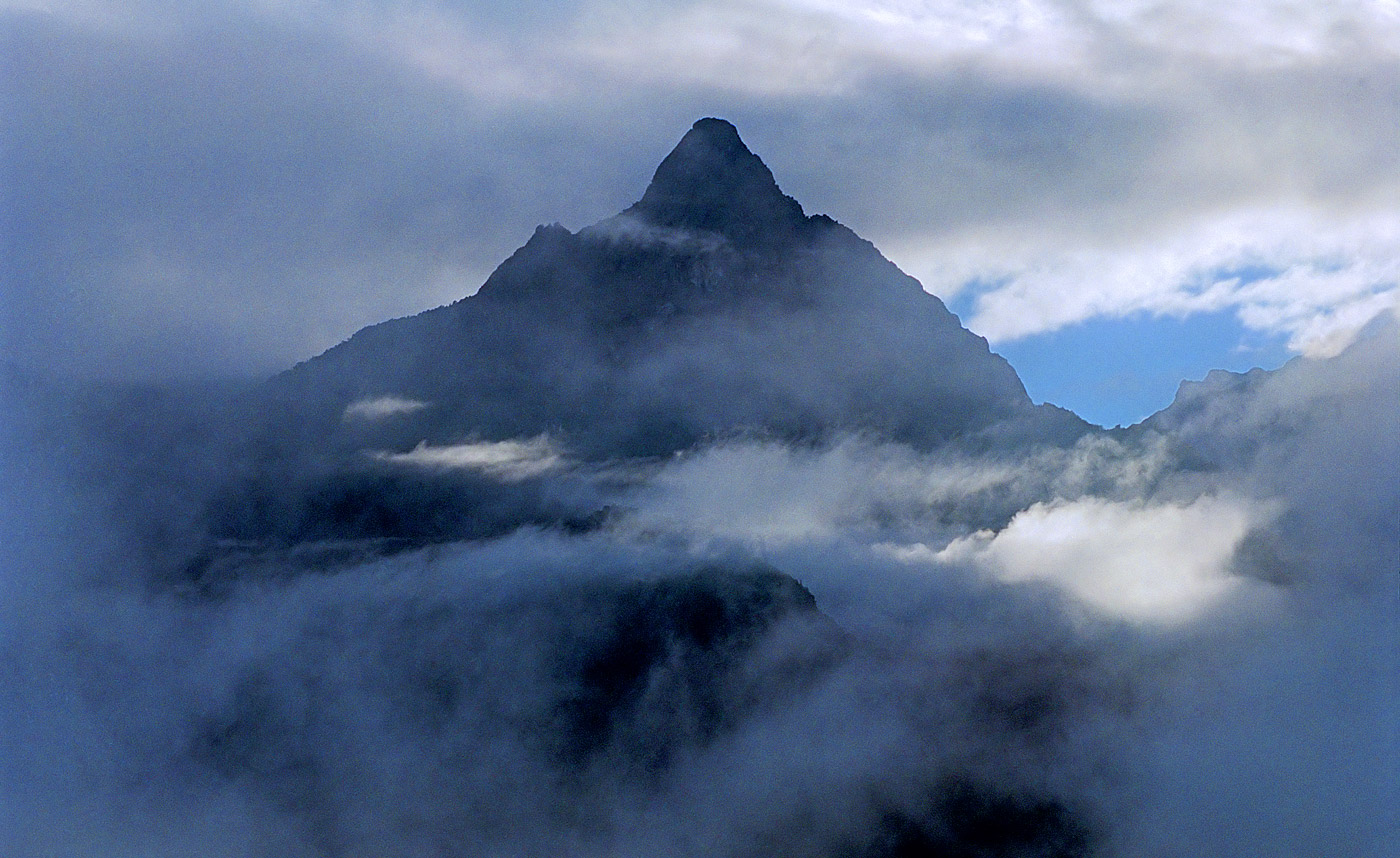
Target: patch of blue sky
(1119,371)
(1248,273)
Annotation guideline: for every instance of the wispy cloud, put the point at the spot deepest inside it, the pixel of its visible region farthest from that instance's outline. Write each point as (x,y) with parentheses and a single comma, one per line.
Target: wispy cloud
(1314,278)
(382,406)
(508,460)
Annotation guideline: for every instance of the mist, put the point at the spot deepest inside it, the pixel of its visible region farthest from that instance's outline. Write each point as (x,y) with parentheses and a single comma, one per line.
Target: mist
(844,646)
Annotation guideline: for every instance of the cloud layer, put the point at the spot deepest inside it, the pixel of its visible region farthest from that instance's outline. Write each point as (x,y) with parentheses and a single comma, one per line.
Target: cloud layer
(264,179)
(1176,635)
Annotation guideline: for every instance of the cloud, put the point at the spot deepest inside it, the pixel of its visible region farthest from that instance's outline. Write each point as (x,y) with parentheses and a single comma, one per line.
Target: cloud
(629,230)
(275,176)
(381,407)
(1316,279)
(509,460)
(1173,635)
(767,493)
(260,188)
(1161,563)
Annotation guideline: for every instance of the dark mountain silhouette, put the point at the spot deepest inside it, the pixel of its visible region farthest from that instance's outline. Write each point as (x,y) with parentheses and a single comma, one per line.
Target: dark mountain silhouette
(713,305)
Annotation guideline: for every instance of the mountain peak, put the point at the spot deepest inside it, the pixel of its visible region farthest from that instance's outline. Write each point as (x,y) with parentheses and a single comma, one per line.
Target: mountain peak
(714,131)
(712,182)
(713,306)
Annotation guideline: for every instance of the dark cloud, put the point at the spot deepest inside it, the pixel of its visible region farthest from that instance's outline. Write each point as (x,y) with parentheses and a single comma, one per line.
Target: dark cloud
(262,191)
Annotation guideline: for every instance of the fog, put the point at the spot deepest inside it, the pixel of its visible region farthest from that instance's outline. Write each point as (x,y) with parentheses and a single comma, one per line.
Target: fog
(1175,639)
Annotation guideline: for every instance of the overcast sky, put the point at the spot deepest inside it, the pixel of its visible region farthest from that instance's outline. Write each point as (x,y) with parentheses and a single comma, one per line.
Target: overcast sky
(1116,194)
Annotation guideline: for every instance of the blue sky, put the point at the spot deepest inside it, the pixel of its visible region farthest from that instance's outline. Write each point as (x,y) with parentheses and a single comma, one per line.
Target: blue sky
(1119,371)
(1115,195)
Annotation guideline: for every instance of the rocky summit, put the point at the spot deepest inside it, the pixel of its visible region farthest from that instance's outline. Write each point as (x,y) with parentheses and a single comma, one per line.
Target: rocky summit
(711,182)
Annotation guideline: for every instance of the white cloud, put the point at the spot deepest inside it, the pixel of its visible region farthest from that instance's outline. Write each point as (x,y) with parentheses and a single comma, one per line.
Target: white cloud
(628,230)
(773,494)
(1316,279)
(1158,563)
(381,407)
(506,460)
(1272,32)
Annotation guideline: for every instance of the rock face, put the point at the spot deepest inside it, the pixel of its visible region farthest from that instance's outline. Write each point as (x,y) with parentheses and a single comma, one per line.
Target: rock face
(712,306)
(669,664)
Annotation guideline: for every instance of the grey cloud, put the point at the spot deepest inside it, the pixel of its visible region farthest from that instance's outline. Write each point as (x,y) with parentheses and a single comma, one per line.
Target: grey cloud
(264,183)
(261,191)
(985,152)
(959,151)
(404,702)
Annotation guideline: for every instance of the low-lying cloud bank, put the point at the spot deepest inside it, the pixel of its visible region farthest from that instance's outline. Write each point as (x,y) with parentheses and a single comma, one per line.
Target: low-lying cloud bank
(1178,639)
